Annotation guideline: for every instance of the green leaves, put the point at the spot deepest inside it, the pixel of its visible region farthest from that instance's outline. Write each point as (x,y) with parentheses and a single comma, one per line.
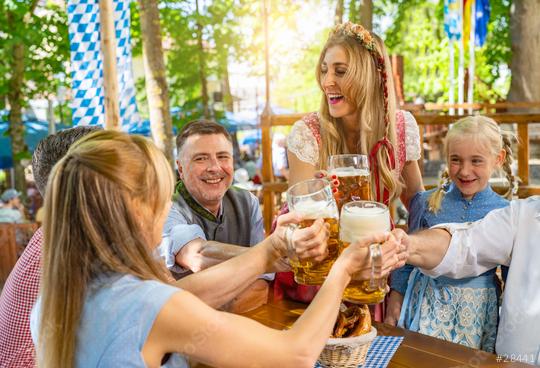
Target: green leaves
(44,34)
(33,49)
(233,33)
(416,32)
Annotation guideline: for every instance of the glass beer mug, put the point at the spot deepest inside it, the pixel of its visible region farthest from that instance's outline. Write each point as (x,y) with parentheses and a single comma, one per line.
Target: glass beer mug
(358,219)
(313,199)
(352,172)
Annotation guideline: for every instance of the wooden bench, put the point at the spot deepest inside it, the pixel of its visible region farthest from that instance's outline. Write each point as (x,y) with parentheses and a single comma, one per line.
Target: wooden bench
(13,240)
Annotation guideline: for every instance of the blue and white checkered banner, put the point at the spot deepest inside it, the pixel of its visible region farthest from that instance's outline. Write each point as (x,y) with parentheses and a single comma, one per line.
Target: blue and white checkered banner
(87,63)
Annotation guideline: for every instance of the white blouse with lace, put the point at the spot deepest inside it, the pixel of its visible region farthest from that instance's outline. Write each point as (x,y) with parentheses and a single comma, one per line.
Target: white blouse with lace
(303,143)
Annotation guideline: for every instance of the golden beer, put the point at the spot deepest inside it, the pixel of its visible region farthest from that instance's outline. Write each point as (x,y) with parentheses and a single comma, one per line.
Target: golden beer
(308,272)
(354,185)
(311,273)
(359,219)
(313,199)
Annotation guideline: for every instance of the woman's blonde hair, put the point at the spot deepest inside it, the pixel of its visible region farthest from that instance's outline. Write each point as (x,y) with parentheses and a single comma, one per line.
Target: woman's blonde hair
(102,201)
(487,131)
(364,87)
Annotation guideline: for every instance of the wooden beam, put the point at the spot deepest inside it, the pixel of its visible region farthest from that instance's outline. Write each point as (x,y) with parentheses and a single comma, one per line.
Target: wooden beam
(523,191)
(503,118)
(397,74)
(274,186)
(474,106)
(266,127)
(285,120)
(267,171)
(110,77)
(428,119)
(523,153)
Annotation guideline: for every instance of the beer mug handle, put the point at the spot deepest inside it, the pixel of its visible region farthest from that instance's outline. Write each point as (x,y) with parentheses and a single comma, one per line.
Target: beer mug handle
(375,254)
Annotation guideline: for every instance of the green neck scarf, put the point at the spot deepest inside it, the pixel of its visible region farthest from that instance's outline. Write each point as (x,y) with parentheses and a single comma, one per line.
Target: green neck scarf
(182,191)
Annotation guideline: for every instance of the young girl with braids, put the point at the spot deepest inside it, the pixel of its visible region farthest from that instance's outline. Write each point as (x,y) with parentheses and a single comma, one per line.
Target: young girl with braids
(462,311)
(357,115)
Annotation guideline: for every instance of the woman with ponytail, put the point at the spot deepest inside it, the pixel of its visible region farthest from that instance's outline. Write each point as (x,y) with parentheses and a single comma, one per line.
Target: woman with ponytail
(462,311)
(105,300)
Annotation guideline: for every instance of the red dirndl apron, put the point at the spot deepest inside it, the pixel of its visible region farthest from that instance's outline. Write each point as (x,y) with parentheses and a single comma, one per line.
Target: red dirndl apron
(284,284)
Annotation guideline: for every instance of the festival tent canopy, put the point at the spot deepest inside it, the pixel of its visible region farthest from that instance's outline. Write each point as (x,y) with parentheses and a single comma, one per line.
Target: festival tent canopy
(34,131)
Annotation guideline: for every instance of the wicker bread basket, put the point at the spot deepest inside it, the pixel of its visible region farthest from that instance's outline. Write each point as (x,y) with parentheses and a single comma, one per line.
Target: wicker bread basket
(348,352)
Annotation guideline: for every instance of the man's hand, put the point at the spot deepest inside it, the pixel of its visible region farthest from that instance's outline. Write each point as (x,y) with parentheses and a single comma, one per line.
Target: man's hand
(278,238)
(356,258)
(308,243)
(190,257)
(200,254)
(426,248)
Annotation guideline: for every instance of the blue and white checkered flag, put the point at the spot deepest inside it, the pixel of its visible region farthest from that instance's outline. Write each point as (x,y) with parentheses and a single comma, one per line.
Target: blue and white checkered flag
(87,63)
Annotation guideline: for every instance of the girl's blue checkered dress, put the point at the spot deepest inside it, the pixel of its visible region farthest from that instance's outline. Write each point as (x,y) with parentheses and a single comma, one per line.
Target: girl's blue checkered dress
(462,311)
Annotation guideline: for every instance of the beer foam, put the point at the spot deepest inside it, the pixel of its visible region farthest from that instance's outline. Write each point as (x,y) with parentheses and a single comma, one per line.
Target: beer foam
(311,209)
(356,222)
(349,171)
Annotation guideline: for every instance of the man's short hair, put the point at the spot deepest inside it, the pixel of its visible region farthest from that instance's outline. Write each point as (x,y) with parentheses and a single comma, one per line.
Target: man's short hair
(51,149)
(200,127)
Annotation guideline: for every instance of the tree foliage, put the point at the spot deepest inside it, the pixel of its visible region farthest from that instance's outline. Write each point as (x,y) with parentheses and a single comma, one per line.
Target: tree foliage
(33,50)
(233,31)
(45,35)
(222,41)
(416,32)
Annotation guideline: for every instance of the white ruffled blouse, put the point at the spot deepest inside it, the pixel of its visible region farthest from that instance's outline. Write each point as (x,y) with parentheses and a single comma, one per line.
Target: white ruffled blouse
(303,143)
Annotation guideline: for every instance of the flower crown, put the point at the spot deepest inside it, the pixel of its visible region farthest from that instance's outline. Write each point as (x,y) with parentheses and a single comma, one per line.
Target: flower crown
(357,32)
(366,39)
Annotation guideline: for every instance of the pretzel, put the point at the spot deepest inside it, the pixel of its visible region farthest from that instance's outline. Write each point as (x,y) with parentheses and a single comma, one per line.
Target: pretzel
(352,321)
(339,328)
(364,325)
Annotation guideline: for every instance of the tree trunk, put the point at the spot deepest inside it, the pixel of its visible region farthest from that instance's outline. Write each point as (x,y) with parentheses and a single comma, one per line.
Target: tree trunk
(354,10)
(366,14)
(16,99)
(524,30)
(227,95)
(16,128)
(202,65)
(156,78)
(338,18)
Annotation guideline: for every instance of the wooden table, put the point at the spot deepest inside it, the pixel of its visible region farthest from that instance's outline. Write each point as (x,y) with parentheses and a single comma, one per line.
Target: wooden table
(416,350)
